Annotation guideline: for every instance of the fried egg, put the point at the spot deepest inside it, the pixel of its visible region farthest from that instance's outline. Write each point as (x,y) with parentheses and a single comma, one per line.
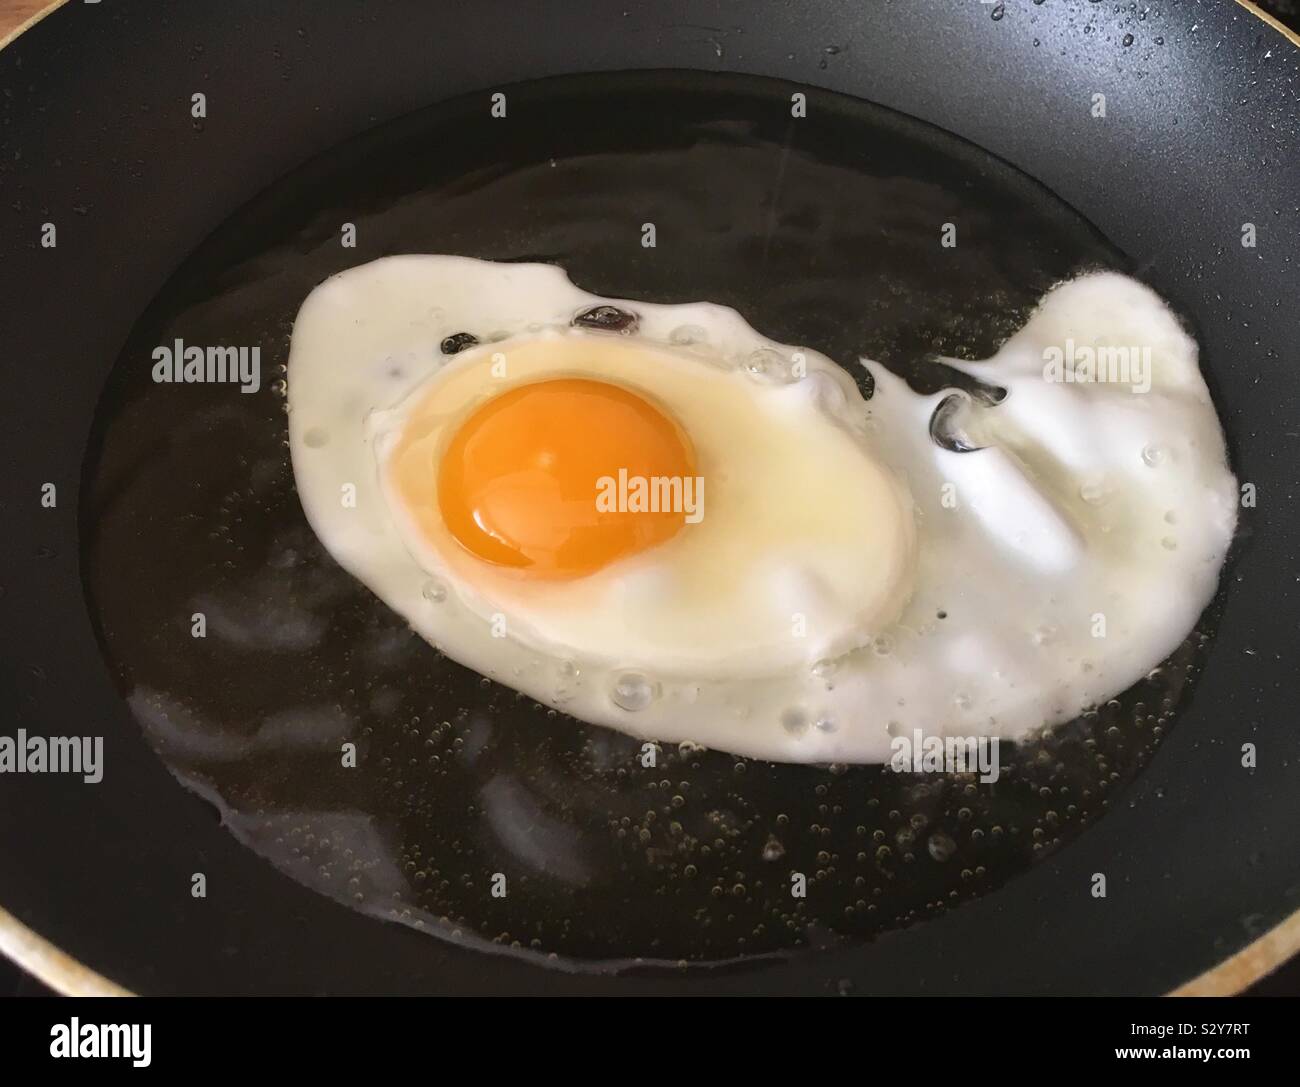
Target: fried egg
(656,519)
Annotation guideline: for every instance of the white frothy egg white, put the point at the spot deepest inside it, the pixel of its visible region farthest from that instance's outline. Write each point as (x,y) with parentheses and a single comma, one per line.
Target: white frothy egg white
(850,579)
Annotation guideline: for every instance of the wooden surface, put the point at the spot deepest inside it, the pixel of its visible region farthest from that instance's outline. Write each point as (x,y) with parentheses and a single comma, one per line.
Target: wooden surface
(13,13)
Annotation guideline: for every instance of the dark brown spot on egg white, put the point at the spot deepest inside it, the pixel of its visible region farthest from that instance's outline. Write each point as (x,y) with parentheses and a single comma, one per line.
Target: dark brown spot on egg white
(456,343)
(607,319)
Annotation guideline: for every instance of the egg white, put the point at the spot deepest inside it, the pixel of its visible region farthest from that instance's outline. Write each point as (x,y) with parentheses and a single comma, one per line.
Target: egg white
(1090,509)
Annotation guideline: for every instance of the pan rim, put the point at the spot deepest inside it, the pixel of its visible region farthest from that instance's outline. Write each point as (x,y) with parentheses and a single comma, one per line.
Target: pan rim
(68,976)
(49,964)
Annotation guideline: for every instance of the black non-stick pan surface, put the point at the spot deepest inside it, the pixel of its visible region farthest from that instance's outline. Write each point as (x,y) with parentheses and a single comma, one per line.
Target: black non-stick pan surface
(678,113)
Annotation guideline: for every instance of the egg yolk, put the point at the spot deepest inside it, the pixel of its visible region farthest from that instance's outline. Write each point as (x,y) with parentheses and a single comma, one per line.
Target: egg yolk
(521,481)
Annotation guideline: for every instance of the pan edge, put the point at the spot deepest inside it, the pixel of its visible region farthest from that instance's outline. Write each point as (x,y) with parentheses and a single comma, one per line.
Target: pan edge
(1292,36)
(50,965)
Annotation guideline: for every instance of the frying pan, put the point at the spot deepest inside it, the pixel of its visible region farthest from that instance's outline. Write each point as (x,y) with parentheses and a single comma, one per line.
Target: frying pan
(1200,137)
